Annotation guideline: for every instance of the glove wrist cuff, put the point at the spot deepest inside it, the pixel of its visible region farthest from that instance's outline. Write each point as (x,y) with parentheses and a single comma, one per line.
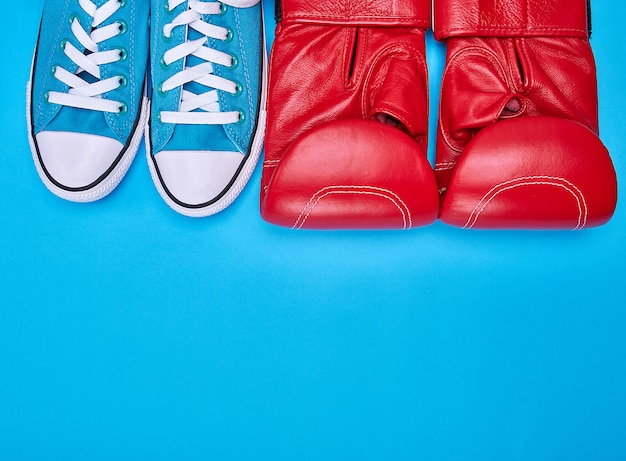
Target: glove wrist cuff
(373,13)
(513,18)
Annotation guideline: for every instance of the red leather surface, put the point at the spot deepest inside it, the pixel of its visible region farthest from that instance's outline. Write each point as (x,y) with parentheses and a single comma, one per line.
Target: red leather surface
(533,173)
(334,177)
(489,80)
(510,18)
(402,13)
(325,73)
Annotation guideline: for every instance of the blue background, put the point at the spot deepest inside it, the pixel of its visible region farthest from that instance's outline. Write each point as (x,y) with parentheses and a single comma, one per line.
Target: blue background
(128,332)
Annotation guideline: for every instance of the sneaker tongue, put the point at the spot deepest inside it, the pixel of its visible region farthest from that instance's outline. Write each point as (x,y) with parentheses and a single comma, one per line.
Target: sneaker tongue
(191,61)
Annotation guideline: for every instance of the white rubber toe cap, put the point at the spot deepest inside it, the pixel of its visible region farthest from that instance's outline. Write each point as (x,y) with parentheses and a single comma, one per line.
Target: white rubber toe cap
(197,177)
(76,160)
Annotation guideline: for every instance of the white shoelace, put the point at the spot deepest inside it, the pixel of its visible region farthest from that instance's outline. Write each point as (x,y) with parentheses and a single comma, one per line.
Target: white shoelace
(83,94)
(204,108)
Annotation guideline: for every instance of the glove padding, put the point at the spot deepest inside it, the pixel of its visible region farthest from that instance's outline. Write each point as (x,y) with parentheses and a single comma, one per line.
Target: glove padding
(347,117)
(517,144)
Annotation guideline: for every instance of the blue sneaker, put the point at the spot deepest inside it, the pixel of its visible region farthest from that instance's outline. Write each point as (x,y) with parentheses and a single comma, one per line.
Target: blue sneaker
(87,105)
(207,122)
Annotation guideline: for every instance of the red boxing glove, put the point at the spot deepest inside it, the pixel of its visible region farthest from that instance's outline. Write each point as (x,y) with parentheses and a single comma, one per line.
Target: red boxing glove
(517,145)
(348,117)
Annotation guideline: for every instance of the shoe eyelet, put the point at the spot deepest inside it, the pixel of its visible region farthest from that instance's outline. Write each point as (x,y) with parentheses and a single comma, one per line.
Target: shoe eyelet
(63,43)
(223,9)
(123,27)
(238,89)
(242,117)
(229,35)
(46,96)
(123,110)
(166,5)
(164,65)
(234,63)
(122,3)
(166,38)
(123,82)
(123,54)
(73,17)
(53,70)
(160,90)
